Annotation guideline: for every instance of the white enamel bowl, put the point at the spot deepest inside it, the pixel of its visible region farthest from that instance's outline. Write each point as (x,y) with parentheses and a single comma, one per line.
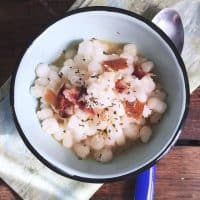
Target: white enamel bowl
(115,25)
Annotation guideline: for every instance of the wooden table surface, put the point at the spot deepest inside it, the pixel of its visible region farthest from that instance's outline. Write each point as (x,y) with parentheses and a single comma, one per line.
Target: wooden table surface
(178,174)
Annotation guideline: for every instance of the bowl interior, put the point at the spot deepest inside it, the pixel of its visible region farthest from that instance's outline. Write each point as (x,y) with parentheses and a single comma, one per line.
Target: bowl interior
(111,26)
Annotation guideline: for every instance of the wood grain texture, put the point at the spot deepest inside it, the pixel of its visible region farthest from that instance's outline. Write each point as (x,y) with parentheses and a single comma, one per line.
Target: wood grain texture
(192,126)
(178,175)
(178,178)
(21,21)
(6,193)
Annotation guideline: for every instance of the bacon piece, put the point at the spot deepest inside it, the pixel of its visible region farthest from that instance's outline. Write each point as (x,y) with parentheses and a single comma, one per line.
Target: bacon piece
(64,106)
(134,109)
(138,72)
(83,106)
(116,64)
(120,86)
(50,97)
(72,94)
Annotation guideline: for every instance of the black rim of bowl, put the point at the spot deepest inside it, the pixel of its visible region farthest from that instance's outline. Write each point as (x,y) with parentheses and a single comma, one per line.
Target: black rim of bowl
(161,154)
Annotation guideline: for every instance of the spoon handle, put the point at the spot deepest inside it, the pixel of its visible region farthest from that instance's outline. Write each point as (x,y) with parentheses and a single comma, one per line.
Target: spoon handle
(144,185)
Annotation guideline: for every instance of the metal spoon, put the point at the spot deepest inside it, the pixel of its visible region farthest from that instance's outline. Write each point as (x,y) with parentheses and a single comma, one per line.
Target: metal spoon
(170,22)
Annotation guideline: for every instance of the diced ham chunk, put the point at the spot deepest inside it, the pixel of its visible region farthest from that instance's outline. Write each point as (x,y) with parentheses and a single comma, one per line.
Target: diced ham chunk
(116,64)
(64,106)
(120,86)
(72,94)
(50,97)
(83,106)
(138,72)
(134,109)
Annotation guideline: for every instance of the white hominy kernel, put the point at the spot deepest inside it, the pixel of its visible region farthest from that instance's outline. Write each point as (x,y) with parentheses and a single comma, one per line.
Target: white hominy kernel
(94,68)
(41,81)
(58,136)
(81,150)
(145,133)
(100,124)
(131,131)
(64,70)
(148,84)
(78,129)
(43,101)
(86,48)
(130,49)
(146,112)
(42,70)
(109,140)
(37,91)
(54,68)
(97,142)
(68,63)
(50,126)
(155,117)
(53,84)
(43,105)
(52,75)
(87,142)
(68,140)
(141,96)
(81,61)
(44,113)
(104,155)
(156,105)
(140,121)
(120,140)
(147,66)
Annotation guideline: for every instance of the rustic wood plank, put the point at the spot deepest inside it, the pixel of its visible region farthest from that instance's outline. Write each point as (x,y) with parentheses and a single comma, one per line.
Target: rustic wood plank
(116,190)
(192,126)
(6,193)
(178,175)
(178,178)
(20,24)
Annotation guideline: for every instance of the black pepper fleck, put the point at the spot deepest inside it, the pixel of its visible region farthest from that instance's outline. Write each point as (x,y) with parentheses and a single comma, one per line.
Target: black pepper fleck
(60,74)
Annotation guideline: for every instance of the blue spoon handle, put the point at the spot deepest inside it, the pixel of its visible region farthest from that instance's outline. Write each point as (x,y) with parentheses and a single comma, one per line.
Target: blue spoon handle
(144,186)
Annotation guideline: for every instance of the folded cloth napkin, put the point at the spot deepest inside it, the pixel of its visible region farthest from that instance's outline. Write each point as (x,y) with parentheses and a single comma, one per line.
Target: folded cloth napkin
(30,178)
